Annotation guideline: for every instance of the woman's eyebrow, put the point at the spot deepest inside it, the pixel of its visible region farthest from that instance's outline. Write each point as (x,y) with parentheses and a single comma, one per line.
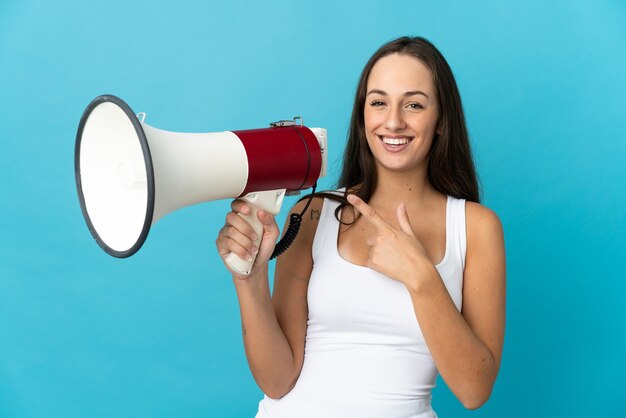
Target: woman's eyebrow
(408,93)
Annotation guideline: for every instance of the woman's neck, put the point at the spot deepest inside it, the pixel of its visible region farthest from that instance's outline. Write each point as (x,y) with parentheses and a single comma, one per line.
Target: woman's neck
(393,188)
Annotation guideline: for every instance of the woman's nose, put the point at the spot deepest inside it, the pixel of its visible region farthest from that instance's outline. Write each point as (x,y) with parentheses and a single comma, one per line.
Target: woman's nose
(395,120)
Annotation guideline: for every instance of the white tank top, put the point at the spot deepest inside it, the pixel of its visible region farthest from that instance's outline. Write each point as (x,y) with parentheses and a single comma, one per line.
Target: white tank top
(365,355)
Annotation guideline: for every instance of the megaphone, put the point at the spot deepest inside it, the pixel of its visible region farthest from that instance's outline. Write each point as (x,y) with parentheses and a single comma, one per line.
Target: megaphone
(129,174)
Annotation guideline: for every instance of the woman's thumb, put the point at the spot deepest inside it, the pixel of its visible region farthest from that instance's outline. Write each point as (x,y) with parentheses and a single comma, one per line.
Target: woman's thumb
(403,219)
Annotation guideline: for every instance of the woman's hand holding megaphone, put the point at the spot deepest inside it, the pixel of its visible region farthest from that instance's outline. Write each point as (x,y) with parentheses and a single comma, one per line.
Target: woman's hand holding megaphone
(238,237)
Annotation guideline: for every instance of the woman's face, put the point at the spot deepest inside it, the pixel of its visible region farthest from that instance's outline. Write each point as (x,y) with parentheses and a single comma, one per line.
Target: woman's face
(401,112)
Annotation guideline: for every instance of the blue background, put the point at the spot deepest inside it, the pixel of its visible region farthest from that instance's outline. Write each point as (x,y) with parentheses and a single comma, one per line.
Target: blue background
(83,334)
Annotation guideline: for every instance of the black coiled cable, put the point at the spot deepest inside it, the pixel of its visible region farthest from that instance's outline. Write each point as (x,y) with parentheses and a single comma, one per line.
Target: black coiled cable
(295,220)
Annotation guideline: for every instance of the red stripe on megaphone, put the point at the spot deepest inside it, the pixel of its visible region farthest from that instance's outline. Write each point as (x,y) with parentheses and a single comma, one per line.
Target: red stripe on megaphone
(287,157)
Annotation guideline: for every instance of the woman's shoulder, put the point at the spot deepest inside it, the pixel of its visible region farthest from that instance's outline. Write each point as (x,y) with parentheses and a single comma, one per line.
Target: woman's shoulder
(481,223)
(310,217)
(313,213)
(480,214)
(313,206)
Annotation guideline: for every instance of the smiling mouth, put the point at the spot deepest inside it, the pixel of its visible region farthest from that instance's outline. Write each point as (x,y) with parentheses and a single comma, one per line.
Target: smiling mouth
(396,140)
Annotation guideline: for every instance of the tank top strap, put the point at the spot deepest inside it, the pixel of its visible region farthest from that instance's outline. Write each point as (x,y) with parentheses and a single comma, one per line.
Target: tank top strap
(456,232)
(327,229)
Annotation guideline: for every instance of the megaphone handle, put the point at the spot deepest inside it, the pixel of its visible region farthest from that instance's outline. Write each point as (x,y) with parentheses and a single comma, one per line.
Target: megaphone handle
(235,262)
(270,201)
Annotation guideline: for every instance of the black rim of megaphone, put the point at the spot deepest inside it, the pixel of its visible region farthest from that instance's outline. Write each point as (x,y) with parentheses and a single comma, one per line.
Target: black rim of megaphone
(149,173)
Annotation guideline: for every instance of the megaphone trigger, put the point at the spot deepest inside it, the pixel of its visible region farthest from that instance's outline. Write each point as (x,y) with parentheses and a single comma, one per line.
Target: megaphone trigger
(270,201)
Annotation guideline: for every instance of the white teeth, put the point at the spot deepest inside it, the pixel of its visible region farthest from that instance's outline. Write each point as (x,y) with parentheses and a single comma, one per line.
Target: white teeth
(395,141)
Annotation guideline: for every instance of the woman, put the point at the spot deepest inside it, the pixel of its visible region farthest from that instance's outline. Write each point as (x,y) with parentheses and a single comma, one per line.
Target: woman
(395,277)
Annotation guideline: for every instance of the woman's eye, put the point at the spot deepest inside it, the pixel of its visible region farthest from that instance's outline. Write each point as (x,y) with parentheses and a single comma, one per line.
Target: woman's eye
(415,106)
(377,103)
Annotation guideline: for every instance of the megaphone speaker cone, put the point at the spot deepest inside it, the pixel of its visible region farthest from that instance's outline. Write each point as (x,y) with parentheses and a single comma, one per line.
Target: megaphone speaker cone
(114,176)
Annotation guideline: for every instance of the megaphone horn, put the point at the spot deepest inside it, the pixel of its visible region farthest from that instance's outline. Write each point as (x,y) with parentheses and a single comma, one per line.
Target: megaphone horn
(130,174)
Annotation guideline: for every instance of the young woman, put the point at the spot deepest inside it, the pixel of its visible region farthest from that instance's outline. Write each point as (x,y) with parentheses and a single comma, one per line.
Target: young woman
(397,276)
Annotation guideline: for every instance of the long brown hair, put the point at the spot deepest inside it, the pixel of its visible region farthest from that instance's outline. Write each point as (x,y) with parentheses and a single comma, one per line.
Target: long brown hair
(451,168)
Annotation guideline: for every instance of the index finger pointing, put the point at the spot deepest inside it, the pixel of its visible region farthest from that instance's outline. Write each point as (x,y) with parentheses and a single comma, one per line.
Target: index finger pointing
(367,211)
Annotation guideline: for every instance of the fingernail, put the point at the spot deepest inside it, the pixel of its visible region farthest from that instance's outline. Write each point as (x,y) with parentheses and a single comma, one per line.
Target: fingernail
(249,257)
(254,250)
(253,237)
(351,198)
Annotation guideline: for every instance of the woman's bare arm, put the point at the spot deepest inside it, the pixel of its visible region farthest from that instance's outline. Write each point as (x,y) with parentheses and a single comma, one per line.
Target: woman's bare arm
(274,327)
(467,347)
